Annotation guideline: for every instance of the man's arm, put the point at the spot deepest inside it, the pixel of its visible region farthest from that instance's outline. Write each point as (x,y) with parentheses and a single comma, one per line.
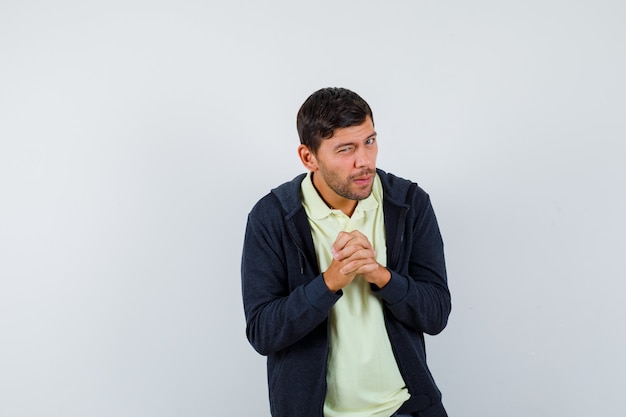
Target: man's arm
(420,297)
(277,316)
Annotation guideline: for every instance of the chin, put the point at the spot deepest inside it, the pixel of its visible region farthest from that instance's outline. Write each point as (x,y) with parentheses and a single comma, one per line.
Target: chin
(363,195)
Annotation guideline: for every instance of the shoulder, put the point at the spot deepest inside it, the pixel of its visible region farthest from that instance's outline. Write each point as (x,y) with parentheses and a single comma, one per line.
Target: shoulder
(280,201)
(399,190)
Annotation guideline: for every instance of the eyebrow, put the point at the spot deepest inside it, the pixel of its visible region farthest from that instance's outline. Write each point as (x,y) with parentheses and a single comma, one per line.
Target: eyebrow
(341,145)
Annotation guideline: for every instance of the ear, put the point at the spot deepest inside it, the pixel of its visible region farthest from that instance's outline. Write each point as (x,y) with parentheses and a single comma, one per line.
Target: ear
(307,157)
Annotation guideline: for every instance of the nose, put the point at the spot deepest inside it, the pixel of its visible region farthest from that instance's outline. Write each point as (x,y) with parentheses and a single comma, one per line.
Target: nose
(362,159)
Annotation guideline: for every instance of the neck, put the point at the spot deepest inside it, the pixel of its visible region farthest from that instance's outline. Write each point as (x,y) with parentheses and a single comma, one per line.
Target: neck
(347,206)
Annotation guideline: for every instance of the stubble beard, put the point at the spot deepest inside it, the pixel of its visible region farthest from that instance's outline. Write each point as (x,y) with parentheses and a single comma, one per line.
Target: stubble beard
(344,189)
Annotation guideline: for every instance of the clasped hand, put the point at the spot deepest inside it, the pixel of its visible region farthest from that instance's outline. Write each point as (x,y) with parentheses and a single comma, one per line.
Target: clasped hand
(353,255)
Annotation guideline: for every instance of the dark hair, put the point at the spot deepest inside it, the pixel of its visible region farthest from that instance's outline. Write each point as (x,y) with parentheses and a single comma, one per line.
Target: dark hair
(329,109)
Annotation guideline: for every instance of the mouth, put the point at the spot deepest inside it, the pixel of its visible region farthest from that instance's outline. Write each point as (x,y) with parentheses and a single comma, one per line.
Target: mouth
(363,180)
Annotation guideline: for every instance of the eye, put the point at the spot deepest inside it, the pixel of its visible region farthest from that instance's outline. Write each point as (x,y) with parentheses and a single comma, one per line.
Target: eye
(370,141)
(345,149)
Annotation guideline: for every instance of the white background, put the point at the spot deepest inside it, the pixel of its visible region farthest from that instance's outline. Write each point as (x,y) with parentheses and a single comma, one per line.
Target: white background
(136,136)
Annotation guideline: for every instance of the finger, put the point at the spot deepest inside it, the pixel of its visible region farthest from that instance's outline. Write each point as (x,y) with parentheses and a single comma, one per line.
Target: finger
(346,252)
(359,238)
(354,251)
(362,266)
(342,240)
(349,242)
(357,259)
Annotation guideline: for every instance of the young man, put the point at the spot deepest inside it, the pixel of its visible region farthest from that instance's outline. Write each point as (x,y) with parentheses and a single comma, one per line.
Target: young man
(342,274)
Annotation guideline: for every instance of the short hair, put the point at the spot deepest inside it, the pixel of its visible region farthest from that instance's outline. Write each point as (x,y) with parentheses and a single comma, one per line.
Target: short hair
(329,109)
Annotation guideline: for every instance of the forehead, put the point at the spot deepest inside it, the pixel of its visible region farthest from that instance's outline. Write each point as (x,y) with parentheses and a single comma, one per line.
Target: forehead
(352,133)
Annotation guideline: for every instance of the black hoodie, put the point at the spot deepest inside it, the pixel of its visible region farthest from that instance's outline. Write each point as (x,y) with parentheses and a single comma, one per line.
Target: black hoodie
(287,303)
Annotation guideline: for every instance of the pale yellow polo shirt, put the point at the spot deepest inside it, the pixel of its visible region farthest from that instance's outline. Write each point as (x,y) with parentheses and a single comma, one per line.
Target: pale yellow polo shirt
(362,374)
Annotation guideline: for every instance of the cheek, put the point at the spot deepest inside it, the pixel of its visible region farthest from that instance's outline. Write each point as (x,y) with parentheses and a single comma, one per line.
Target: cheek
(372,159)
(337,165)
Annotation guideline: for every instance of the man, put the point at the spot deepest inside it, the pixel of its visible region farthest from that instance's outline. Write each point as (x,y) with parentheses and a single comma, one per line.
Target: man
(342,274)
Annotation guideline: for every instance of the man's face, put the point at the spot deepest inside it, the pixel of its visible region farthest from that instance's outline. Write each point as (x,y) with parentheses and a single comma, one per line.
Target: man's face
(344,166)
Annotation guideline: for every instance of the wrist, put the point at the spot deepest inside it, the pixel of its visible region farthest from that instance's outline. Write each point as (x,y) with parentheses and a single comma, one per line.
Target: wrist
(383,276)
(332,287)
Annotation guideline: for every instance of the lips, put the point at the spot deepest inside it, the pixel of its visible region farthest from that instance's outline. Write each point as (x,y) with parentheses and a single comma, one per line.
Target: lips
(363,180)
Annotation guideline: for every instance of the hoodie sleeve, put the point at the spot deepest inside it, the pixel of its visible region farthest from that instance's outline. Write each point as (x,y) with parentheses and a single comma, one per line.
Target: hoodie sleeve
(281,307)
(417,294)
